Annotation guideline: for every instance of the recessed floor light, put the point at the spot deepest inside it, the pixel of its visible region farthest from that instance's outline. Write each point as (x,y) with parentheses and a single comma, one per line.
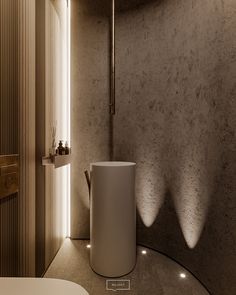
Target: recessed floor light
(88,246)
(144,252)
(182,275)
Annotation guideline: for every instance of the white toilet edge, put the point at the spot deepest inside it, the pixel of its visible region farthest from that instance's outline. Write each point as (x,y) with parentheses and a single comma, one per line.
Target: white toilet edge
(39,286)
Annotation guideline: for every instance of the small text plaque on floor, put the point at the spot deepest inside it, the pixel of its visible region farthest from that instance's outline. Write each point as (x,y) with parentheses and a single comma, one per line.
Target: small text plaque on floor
(118,285)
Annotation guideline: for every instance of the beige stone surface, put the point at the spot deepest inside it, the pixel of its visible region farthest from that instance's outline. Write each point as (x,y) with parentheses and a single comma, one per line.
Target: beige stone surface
(154,273)
(89,102)
(176,110)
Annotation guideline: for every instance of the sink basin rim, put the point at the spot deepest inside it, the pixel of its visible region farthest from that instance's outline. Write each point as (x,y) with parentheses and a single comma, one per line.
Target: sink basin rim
(113,164)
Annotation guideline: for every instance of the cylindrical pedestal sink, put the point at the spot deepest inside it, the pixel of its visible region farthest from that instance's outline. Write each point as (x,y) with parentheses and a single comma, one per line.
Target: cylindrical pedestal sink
(112,218)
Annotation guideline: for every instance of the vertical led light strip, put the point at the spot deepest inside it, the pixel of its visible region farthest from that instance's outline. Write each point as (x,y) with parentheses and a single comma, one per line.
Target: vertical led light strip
(68,98)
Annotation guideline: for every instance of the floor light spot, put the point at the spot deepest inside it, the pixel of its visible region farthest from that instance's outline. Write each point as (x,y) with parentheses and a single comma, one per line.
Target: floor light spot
(88,246)
(144,252)
(182,275)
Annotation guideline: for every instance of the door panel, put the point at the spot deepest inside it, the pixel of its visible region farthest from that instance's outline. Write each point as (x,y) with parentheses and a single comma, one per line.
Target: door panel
(17,79)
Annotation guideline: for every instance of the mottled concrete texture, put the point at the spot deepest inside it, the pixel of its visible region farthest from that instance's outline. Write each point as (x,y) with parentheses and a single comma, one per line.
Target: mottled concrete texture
(89,101)
(154,273)
(176,117)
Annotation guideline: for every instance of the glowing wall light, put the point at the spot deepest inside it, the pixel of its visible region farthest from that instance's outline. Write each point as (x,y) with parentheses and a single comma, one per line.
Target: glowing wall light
(58,108)
(150,192)
(192,195)
(63,113)
(69,112)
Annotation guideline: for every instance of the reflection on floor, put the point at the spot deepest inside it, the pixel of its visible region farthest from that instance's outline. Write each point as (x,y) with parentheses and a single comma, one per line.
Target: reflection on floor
(154,274)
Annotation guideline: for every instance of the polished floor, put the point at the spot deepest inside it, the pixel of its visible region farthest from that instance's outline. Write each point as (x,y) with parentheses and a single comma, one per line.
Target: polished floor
(154,274)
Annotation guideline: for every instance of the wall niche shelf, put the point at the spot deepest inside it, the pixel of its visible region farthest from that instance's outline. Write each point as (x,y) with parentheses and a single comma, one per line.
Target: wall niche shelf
(58,160)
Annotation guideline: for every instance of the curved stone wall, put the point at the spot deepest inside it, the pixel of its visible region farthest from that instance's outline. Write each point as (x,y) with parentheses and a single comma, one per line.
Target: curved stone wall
(175,117)
(176,110)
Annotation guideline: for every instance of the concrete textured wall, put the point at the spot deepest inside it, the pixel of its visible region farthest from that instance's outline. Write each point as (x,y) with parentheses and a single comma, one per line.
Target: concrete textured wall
(89,101)
(176,117)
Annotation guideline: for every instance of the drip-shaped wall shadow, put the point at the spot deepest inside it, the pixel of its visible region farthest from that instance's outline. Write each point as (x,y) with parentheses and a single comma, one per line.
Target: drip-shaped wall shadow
(193,188)
(165,228)
(150,190)
(195,169)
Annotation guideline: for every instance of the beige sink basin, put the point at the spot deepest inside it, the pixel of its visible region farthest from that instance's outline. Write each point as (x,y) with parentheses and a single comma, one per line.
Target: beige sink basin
(112,218)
